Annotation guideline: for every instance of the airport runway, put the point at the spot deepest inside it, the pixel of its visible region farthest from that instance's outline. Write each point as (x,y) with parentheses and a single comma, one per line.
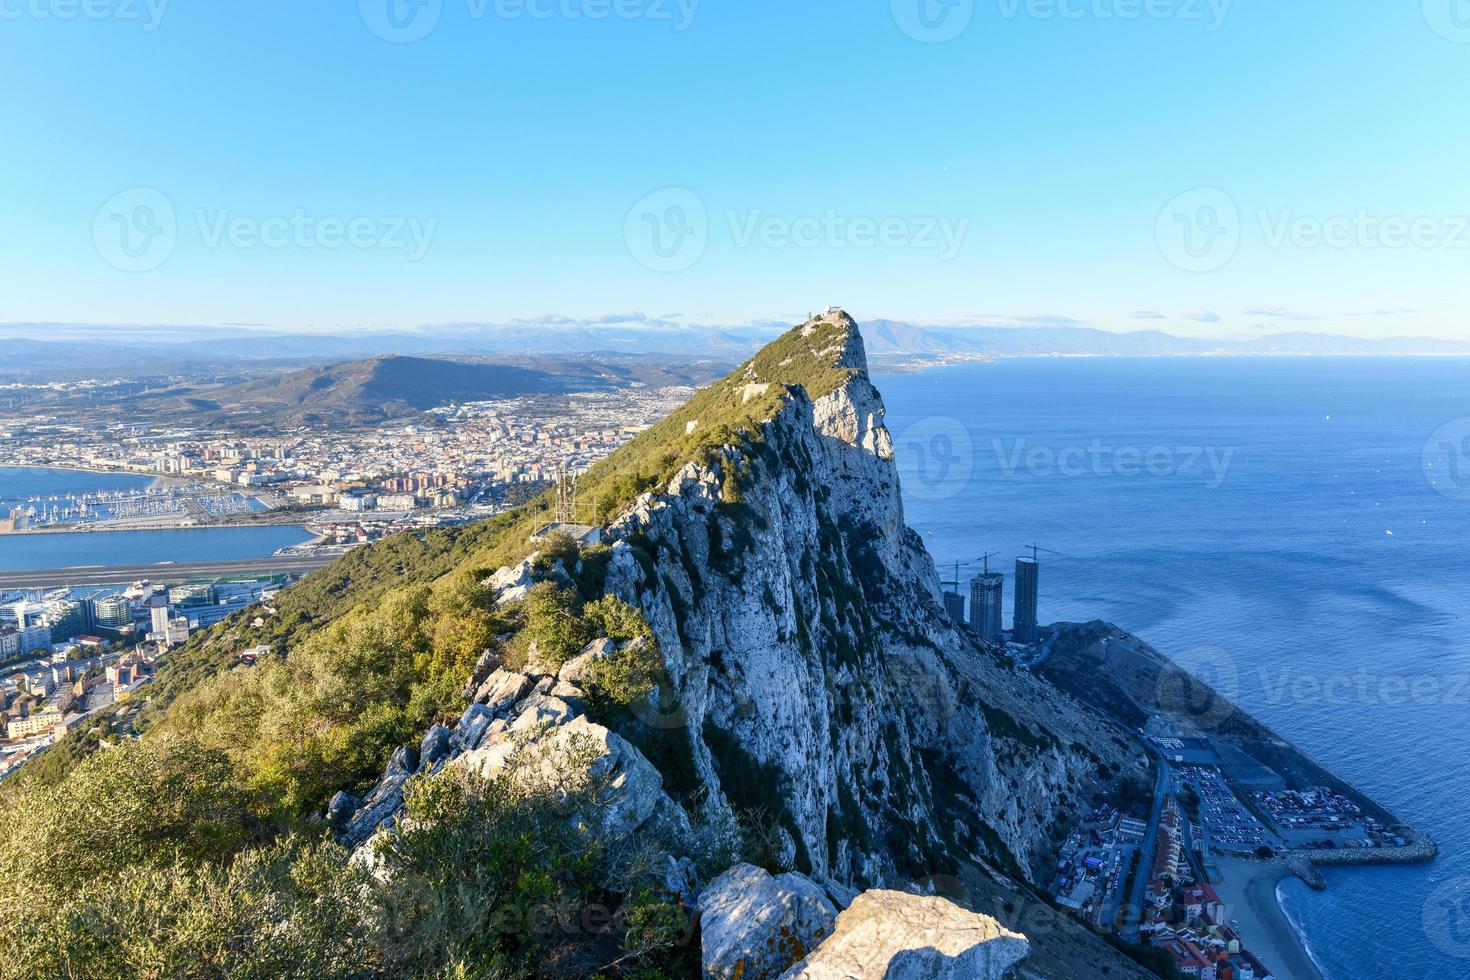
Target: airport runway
(53,578)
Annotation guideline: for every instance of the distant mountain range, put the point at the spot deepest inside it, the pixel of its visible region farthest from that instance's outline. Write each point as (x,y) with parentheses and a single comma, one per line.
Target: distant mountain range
(70,350)
(889,338)
(358,393)
(362,392)
(46,347)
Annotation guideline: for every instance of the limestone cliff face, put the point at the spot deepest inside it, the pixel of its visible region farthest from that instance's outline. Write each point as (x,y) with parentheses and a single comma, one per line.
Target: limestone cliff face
(818,677)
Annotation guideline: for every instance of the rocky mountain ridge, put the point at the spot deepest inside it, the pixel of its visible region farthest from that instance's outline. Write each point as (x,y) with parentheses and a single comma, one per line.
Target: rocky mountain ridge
(806,637)
(814,682)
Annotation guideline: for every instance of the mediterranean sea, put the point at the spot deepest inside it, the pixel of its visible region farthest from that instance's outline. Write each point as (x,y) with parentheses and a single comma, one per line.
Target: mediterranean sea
(1296,529)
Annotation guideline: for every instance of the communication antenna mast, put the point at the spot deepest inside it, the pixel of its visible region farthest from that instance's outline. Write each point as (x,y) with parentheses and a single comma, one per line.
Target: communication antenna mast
(566,496)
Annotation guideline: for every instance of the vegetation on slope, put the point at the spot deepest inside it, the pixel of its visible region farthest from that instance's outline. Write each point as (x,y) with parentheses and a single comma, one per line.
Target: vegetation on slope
(721,415)
(226,870)
(144,865)
(325,717)
(197,850)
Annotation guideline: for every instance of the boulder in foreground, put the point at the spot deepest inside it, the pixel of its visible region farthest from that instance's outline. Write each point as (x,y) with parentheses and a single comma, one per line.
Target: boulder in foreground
(755,925)
(887,935)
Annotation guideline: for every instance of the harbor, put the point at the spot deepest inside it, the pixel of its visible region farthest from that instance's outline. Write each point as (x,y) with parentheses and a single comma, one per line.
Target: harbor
(137,508)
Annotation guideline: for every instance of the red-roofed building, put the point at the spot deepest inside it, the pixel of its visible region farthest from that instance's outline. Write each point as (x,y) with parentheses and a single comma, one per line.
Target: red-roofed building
(1190,959)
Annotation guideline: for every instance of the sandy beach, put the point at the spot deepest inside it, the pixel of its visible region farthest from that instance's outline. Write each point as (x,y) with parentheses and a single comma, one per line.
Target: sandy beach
(1249,891)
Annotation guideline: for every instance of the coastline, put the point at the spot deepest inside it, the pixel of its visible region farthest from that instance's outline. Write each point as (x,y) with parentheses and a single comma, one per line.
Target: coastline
(1250,893)
(155,480)
(76,468)
(1299,929)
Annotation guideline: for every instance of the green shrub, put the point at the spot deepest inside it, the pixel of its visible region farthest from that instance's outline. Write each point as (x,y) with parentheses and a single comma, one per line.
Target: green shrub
(556,548)
(294,909)
(140,803)
(505,875)
(614,618)
(554,623)
(628,677)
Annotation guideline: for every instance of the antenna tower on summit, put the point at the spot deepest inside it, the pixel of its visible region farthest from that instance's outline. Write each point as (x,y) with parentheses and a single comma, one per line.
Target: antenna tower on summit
(566,496)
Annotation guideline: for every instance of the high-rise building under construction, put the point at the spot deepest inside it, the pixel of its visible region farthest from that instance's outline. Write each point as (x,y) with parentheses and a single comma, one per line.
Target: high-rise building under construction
(1023,625)
(986,601)
(954,604)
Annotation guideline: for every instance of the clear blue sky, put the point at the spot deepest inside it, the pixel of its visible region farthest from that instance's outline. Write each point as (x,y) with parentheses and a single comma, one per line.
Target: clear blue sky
(1050,147)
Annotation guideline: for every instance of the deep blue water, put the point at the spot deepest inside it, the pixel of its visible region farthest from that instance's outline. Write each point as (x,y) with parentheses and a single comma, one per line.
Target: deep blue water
(20,552)
(1275,573)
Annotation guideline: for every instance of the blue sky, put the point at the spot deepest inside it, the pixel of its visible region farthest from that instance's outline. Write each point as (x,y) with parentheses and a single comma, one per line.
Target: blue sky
(1206,168)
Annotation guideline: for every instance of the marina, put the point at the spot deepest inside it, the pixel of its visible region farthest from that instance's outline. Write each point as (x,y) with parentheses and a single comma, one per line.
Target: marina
(163,523)
(123,509)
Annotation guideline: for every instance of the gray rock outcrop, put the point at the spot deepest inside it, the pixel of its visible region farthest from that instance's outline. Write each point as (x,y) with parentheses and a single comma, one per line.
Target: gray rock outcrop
(550,737)
(385,800)
(579,668)
(754,925)
(512,583)
(887,935)
(503,689)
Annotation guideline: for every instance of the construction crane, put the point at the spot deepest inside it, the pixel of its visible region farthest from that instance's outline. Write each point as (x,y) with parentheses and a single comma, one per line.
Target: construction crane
(985,559)
(1035,549)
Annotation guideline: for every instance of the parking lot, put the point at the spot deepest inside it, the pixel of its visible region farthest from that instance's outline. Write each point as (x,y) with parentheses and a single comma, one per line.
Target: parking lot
(1228,823)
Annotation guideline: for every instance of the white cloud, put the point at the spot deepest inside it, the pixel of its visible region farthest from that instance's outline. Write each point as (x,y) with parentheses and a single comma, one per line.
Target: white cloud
(1280,312)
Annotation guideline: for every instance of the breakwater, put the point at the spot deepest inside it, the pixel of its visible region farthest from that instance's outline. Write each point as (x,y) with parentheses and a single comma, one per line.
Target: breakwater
(1420,849)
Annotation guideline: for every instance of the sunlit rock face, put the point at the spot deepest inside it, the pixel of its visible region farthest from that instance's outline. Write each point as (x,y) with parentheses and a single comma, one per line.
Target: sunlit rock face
(820,681)
(819,697)
(886,935)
